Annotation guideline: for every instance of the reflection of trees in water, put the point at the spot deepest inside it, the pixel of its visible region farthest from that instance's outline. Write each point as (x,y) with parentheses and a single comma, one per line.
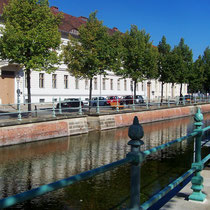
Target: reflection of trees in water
(43,162)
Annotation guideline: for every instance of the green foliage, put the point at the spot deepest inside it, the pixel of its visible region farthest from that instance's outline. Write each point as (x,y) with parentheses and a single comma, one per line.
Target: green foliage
(90,55)
(184,61)
(197,77)
(31,35)
(206,62)
(163,61)
(139,57)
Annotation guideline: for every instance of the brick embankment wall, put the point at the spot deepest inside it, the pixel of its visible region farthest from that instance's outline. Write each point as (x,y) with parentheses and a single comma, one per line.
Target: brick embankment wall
(126,119)
(23,133)
(44,130)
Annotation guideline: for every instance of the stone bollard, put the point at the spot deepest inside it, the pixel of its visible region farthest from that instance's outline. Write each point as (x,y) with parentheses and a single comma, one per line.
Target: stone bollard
(197,180)
(135,133)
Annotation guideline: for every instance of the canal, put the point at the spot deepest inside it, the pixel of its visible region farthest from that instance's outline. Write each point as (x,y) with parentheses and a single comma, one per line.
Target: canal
(26,166)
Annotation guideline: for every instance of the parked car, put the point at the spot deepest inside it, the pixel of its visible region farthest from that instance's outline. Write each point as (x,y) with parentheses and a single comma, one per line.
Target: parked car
(70,102)
(102,101)
(188,97)
(114,99)
(139,99)
(129,99)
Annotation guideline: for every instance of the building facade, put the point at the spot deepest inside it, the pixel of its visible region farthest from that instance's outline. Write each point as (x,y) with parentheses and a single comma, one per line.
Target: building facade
(61,84)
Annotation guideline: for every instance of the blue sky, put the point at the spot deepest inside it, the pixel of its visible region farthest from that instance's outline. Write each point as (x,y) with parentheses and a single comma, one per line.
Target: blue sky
(189,19)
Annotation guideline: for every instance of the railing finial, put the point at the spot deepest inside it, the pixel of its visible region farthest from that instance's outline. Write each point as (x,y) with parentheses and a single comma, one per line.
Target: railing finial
(135,131)
(198,116)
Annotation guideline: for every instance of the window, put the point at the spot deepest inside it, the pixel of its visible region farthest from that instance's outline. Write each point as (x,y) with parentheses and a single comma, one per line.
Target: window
(137,86)
(95,84)
(74,32)
(41,80)
(41,100)
(104,84)
(66,81)
(54,81)
(76,83)
(111,84)
(131,84)
(118,84)
(125,84)
(26,84)
(86,84)
(142,86)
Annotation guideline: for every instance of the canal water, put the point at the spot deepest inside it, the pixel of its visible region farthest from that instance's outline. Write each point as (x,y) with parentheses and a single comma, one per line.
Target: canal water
(27,166)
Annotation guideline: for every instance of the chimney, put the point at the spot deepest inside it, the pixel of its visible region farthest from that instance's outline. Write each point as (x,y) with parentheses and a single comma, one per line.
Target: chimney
(83,18)
(54,8)
(115,29)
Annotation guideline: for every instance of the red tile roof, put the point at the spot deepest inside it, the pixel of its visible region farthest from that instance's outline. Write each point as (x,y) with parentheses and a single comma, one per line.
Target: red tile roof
(2,2)
(69,22)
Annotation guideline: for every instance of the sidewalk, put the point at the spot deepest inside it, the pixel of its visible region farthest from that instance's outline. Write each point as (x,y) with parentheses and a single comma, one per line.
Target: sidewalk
(181,202)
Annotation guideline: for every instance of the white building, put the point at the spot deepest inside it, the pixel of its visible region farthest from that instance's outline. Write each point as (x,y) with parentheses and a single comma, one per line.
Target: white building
(45,87)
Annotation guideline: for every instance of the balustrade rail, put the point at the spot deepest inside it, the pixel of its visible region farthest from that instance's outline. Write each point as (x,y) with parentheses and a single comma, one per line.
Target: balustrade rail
(98,105)
(135,157)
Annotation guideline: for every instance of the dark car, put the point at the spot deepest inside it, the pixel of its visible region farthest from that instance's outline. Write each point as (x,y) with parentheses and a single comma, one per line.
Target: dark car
(102,101)
(139,99)
(70,102)
(129,99)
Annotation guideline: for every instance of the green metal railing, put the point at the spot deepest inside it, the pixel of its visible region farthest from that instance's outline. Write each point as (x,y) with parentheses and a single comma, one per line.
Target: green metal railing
(54,109)
(135,157)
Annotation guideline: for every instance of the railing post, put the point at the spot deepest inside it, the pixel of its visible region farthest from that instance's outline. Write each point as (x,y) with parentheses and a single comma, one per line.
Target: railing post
(177,101)
(197,180)
(135,133)
(53,108)
(147,102)
(97,108)
(19,111)
(169,101)
(117,108)
(80,107)
(60,110)
(133,105)
(183,100)
(159,102)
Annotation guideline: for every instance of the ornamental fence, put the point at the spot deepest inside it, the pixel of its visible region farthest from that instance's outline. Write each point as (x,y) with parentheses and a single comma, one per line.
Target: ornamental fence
(135,158)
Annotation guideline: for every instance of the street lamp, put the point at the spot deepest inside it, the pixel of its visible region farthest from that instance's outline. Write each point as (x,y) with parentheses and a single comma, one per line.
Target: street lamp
(18,96)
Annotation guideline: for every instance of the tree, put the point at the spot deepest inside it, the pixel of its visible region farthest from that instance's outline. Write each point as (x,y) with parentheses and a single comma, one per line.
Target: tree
(206,63)
(184,62)
(30,37)
(89,55)
(163,63)
(139,56)
(197,78)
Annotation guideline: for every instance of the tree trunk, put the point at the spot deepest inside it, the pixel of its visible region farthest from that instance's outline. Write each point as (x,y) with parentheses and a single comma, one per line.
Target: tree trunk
(90,93)
(28,73)
(162,85)
(134,90)
(180,90)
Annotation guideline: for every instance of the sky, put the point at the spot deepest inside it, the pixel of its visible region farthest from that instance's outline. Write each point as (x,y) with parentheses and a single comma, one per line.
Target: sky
(174,19)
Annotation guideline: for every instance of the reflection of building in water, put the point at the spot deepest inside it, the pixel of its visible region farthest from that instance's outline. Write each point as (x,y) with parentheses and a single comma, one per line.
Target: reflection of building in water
(27,166)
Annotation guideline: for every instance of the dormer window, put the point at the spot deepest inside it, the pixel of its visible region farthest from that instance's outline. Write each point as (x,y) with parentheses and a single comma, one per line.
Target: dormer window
(74,32)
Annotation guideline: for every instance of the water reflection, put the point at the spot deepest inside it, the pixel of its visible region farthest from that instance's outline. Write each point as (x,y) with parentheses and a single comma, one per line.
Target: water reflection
(27,166)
